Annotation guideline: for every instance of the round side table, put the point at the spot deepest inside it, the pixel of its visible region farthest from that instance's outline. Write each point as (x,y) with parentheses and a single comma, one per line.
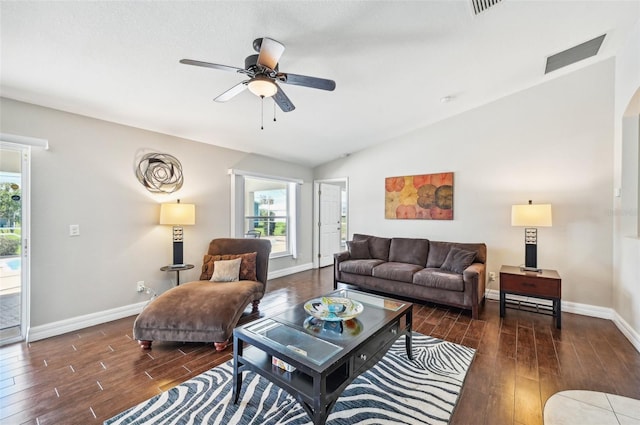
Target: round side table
(177,269)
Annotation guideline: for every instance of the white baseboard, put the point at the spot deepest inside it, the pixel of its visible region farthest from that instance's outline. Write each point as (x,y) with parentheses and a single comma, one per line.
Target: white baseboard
(36,333)
(588,310)
(290,270)
(566,306)
(628,331)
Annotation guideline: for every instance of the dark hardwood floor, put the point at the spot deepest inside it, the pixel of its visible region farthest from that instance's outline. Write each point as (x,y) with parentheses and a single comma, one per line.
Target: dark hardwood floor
(88,376)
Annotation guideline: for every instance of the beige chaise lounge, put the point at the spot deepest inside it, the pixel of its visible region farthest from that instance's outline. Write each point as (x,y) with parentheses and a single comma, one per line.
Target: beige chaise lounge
(206,311)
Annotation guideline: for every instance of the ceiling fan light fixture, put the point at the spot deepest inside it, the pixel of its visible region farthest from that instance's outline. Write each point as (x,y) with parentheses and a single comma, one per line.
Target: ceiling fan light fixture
(262,87)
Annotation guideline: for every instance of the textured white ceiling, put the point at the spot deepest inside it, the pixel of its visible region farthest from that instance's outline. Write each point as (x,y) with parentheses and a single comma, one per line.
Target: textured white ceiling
(392,62)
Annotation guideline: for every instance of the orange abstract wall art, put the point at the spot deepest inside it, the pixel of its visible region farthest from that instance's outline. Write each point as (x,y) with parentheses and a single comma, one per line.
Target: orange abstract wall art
(422,197)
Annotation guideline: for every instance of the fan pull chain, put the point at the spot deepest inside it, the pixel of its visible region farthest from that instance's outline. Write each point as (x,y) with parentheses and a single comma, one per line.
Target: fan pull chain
(261,112)
(274,111)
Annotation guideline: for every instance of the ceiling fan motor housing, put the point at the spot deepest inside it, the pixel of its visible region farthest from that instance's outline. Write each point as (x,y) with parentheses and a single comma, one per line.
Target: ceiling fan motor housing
(251,62)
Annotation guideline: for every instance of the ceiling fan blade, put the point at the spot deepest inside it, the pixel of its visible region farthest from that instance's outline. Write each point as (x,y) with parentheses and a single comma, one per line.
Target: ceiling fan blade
(270,52)
(233,91)
(306,81)
(283,101)
(213,65)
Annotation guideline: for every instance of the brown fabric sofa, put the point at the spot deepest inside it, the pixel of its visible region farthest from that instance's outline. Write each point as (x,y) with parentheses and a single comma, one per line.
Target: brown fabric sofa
(205,311)
(441,272)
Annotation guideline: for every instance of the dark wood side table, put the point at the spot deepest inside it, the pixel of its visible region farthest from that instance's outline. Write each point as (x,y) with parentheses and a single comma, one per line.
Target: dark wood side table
(546,285)
(177,269)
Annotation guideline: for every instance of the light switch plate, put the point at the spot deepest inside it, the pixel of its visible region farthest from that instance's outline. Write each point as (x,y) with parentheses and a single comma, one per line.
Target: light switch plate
(74,230)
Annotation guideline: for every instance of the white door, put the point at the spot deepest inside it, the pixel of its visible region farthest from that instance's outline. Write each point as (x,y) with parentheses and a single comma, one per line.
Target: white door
(329,223)
(14,191)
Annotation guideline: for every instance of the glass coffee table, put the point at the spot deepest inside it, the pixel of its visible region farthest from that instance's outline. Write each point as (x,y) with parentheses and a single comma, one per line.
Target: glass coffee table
(314,360)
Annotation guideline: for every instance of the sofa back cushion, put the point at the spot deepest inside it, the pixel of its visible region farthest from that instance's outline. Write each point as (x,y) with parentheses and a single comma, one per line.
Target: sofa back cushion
(409,250)
(438,252)
(378,247)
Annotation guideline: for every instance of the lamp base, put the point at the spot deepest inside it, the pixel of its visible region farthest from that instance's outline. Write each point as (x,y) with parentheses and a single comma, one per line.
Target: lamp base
(530,269)
(177,245)
(177,253)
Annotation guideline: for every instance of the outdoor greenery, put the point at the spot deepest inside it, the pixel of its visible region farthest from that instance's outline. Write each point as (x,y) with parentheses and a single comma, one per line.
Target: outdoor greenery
(276,228)
(9,208)
(10,219)
(9,244)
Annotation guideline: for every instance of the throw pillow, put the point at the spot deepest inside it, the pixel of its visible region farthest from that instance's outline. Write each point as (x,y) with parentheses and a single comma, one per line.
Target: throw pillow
(226,270)
(247,266)
(359,250)
(457,260)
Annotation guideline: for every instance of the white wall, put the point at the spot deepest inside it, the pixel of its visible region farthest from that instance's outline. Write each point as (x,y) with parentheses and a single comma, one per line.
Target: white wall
(626,289)
(87,178)
(552,143)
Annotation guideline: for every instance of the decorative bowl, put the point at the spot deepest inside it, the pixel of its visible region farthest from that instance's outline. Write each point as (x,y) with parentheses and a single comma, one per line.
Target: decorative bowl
(342,329)
(333,308)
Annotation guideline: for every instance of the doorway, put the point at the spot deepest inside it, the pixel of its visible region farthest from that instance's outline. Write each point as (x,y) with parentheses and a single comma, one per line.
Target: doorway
(14,161)
(330,218)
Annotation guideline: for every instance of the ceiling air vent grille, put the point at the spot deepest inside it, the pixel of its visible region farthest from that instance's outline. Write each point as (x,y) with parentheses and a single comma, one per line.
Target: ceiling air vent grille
(480,6)
(574,54)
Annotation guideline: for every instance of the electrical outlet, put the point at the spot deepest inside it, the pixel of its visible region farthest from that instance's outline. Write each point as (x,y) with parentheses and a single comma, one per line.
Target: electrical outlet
(492,276)
(140,286)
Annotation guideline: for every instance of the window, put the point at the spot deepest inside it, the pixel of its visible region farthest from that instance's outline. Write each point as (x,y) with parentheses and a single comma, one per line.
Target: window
(265,207)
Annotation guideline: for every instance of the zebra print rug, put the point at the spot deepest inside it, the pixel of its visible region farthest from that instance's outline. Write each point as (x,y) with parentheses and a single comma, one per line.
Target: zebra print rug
(395,391)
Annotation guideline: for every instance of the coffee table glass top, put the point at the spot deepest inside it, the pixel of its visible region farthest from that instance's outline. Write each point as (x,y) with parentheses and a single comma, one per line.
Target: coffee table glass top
(295,341)
(301,336)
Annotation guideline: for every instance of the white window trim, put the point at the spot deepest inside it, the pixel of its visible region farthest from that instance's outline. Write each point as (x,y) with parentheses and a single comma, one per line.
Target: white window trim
(237,204)
(24,140)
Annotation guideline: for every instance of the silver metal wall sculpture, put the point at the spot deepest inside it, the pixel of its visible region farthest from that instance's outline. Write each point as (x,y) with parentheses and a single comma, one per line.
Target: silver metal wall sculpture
(160,172)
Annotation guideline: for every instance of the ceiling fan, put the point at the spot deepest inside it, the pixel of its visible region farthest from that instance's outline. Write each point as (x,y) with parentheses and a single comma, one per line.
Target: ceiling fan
(264,75)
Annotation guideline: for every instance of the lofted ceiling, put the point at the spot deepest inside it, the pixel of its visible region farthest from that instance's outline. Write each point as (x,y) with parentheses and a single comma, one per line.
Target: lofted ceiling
(392,61)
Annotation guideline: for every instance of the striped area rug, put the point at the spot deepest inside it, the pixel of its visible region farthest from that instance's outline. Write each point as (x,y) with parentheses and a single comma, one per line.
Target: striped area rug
(395,391)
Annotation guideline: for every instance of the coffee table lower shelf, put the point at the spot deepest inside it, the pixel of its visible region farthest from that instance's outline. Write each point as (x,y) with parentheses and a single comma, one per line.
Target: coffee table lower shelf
(297,382)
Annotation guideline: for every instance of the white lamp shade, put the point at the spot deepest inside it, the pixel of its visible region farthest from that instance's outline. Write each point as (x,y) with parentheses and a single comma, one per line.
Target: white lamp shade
(531,215)
(178,214)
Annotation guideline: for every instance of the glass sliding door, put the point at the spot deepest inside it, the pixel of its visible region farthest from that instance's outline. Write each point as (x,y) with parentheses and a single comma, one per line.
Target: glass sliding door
(12,242)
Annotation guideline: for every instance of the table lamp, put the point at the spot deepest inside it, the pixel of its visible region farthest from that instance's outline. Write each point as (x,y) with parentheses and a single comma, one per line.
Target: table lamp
(178,215)
(531,216)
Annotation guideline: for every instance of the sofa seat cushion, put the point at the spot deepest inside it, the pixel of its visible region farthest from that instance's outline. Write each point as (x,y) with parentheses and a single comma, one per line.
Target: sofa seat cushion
(363,267)
(396,271)
(200,311)
(437,278)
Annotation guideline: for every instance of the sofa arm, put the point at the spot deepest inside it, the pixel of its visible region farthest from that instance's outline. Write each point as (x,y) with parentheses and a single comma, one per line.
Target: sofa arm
(474,285)
(338,257)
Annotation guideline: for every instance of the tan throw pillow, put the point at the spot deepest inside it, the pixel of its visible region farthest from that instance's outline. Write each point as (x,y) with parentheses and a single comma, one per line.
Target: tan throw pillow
(226,270)
(247,266)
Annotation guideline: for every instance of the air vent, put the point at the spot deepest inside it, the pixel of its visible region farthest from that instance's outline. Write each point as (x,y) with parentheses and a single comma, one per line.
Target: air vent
(480,6)
(574,54)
